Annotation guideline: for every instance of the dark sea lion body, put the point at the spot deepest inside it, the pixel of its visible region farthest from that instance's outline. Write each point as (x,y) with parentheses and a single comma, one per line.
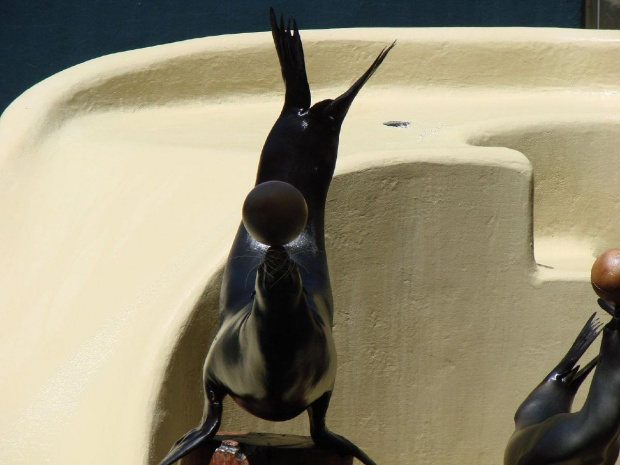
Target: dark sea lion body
(274,353)
(547,433)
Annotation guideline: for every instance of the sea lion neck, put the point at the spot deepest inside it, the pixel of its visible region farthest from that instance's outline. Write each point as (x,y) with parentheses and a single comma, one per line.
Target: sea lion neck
(614,324)
(611,338)
(301,150)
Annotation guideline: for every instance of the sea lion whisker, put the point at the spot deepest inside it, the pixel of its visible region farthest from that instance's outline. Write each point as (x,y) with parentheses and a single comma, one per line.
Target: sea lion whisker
(239,257)
(273,263)
(270,260)
(282,265)
(300,266)
(284,275)
(281,273)
(249,273)
(308,252)
(298,252)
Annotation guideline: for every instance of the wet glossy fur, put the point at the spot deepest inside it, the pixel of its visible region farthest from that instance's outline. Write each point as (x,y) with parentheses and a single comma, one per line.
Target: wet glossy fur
(547,433)
(274,353)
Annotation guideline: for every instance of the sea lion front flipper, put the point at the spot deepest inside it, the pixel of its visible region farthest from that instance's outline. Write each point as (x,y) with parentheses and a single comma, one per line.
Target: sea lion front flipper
(584,372)
(586,337)
(556,392)
(291,55)
(324,438)
(207,429)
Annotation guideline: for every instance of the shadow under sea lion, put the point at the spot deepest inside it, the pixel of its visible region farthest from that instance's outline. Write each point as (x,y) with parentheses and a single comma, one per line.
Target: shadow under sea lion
(274,353)
(547,433)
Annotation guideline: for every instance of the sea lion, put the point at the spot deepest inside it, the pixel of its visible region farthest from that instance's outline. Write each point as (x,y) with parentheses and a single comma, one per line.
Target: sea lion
(546,432)
(274,353)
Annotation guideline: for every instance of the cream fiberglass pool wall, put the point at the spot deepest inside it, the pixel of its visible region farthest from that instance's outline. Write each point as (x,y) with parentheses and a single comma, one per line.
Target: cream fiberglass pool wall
(574,163)
(459,246)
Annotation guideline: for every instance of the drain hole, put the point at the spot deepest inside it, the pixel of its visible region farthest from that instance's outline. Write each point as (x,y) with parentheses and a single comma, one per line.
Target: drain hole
(397,124)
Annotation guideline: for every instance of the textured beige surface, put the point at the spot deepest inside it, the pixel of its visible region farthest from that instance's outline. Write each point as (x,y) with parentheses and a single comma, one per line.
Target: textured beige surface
(121,182)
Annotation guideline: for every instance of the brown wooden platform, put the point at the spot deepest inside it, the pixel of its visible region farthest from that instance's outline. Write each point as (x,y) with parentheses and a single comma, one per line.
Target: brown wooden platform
(263,449)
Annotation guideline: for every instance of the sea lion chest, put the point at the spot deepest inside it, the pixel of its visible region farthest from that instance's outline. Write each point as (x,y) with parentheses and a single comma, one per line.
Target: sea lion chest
(274,365)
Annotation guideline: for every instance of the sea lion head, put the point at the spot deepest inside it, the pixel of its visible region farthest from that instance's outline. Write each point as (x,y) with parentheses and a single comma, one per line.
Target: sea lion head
(278,282)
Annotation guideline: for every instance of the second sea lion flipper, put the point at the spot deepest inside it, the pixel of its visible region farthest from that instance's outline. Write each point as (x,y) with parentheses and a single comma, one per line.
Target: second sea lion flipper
(583,373)
(199,435)
(325,439)
(586,337)
(557,390)
(291,55)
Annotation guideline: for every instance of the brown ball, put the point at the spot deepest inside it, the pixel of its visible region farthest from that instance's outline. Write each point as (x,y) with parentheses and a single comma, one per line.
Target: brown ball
(275,213)
(605,276)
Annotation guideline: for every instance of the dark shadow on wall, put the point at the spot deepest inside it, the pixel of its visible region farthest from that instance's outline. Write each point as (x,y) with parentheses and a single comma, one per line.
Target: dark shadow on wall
(41,37)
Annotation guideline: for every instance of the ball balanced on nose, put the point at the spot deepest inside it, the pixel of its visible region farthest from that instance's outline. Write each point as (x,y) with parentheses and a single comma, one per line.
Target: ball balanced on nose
(275,213)
(605,276)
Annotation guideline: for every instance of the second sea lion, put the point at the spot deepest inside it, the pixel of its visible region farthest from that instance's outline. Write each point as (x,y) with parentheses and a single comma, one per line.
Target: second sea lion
(546,432)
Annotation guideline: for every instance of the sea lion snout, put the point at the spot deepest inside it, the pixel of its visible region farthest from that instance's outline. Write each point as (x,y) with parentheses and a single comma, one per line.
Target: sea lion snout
(277,261)
(279,285)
